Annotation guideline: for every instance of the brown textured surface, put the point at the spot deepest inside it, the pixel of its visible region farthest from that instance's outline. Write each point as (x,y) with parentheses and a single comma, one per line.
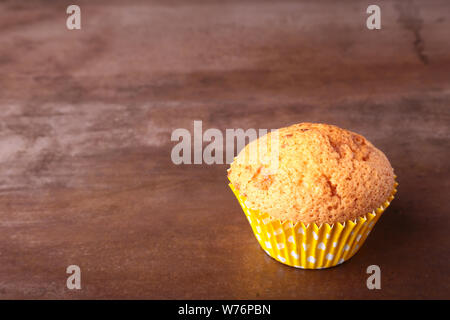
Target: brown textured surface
(313,173)
(85,124)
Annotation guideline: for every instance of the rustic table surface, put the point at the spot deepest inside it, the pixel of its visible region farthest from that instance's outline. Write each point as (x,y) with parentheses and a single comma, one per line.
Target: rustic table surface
(86,118)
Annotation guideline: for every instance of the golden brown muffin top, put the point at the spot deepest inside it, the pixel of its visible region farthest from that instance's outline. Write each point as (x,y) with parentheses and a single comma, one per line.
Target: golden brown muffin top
(319,173)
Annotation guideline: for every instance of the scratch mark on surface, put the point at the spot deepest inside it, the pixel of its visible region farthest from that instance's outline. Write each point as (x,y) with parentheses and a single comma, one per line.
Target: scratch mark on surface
(409,18)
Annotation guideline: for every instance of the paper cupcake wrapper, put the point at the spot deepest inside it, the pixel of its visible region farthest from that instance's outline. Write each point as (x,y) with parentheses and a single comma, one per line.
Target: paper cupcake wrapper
(311,246)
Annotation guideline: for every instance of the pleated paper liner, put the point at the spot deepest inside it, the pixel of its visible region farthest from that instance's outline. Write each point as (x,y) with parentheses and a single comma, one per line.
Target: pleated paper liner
(311,246)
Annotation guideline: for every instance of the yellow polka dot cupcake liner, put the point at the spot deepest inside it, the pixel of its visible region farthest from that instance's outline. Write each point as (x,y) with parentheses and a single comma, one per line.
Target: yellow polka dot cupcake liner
(310,246)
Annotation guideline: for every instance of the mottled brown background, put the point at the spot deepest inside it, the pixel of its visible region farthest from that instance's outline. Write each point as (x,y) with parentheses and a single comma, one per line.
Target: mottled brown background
(85,123)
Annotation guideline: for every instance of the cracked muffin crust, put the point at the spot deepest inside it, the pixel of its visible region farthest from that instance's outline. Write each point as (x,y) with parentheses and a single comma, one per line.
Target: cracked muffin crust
(312,173)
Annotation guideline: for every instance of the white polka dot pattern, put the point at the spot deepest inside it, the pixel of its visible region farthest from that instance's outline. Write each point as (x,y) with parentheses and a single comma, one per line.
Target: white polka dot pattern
(310,246)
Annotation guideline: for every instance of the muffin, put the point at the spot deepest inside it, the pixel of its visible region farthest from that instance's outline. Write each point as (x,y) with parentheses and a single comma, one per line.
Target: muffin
(312,192)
